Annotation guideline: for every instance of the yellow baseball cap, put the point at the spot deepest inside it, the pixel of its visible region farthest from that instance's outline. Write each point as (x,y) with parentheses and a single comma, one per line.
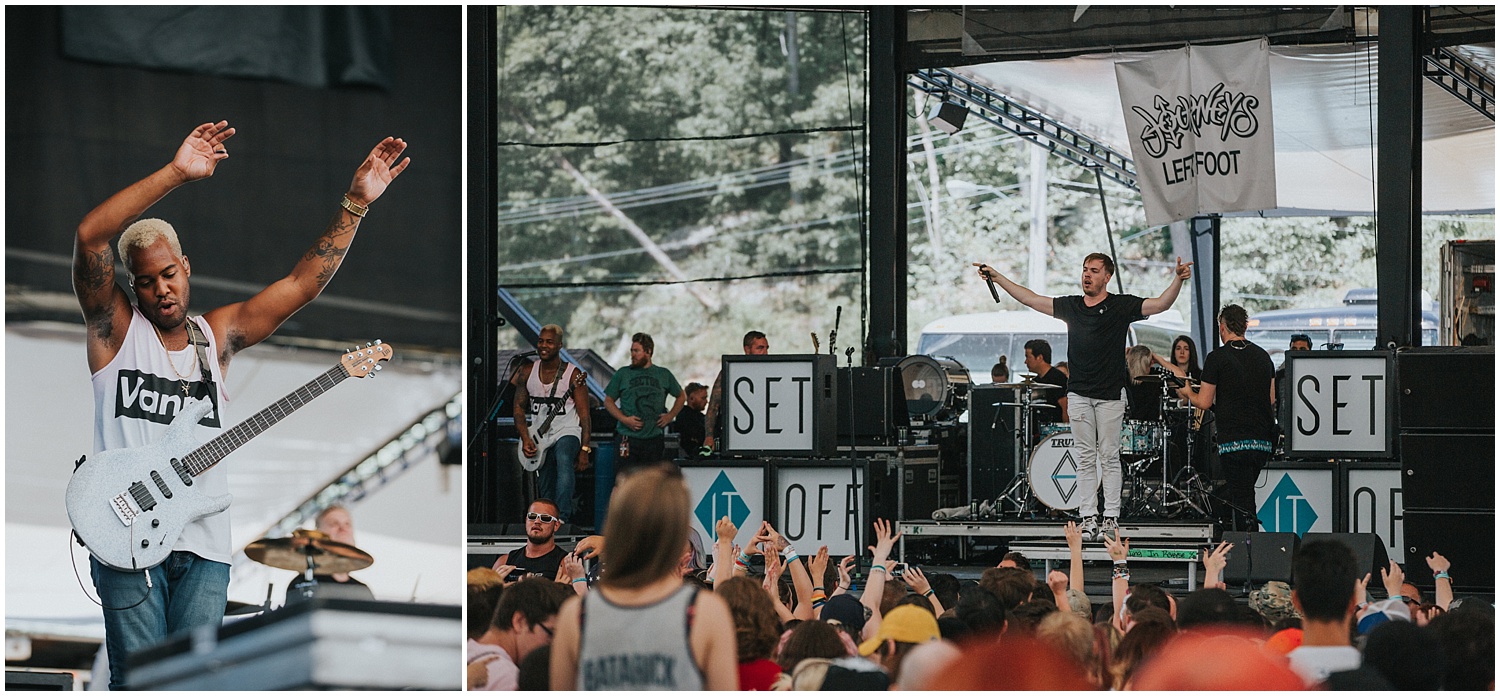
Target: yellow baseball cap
(905,624)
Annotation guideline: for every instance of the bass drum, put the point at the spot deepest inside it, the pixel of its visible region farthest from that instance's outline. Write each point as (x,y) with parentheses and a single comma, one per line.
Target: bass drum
(1052,472)
(937,388)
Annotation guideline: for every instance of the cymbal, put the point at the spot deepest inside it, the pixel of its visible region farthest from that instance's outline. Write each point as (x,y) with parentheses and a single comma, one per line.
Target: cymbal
(293,552)
(1041,406)
(1034,386)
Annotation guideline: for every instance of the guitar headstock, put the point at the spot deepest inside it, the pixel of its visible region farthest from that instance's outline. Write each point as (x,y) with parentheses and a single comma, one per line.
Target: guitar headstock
(364,362)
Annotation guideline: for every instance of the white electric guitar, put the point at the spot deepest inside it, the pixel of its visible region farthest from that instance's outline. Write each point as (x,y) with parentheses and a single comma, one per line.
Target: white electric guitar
(543,443)
(549,435)
(128,506)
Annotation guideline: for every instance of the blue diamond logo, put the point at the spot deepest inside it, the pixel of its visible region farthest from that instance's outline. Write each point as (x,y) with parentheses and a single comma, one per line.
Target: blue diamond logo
(721,500)
(1065,476)
(1286,509)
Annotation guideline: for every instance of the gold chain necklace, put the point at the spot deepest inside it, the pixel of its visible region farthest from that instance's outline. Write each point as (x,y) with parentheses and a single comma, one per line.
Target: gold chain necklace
(181,378)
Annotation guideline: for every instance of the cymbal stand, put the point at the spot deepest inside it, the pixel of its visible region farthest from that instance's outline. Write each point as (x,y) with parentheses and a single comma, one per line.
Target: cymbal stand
(1174,499)
(1018,493)
(308,585)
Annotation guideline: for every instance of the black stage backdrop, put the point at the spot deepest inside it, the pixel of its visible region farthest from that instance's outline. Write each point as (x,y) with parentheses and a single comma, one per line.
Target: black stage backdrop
(309,91)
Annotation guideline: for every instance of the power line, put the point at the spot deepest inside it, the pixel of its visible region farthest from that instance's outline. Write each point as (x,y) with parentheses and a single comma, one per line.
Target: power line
(714,279)
(692,138)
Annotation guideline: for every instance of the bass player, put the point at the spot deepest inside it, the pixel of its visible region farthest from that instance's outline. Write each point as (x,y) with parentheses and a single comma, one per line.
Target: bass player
(149,360)
(552,416)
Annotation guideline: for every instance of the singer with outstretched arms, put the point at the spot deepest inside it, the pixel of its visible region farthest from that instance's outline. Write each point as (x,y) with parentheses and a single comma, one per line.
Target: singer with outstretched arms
(1098,326)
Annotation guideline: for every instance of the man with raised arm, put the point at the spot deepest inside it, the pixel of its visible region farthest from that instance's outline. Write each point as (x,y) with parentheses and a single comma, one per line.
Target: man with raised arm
(1098,324)
(149,360)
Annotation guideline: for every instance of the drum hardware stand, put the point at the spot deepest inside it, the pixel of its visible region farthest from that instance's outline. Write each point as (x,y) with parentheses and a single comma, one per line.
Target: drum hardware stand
(1177,494)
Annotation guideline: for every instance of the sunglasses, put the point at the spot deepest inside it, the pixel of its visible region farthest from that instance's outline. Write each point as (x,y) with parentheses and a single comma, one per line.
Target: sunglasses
(544,517)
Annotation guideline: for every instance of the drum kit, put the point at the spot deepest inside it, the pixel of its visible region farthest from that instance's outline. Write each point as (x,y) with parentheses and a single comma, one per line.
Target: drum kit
(307,551)
(1049,484)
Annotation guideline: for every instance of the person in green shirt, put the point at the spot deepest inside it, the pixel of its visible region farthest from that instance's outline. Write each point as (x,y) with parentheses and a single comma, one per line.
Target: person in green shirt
(637,398)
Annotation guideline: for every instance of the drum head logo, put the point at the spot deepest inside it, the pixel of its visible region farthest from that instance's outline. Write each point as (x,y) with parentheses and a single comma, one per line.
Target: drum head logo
(1065,475)
(721,500)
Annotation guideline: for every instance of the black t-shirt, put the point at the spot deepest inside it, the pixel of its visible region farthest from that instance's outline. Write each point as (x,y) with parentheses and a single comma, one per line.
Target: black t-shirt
(1052,396)
(1241,374)
(329,587)
(690,429)
(1096,342)
(544,565)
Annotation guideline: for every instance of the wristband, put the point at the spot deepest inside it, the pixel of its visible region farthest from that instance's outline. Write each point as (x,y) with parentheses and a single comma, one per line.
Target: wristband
(817,589)
(1442,575)
(876,566)
(1121,561)
(791,557)
(789,552)
(578,580)
(1121,571)
(929,592)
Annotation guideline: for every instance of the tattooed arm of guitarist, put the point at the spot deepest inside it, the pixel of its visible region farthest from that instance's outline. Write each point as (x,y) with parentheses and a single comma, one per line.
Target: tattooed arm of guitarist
(243,324)
(523,404)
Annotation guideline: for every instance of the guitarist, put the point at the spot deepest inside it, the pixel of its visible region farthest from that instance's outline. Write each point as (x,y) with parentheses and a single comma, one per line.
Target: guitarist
(548,394)
(149,358)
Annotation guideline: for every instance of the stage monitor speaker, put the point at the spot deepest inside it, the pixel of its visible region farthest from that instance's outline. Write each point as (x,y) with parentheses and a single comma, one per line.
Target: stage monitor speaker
(1259,557)
(876,401)
(992,440)
(1466,539)
(1448,471)
(1369,551)
(28,680)
(1446,388)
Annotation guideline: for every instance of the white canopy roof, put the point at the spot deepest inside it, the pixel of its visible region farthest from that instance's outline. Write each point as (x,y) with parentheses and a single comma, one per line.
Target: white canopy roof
(1324,107)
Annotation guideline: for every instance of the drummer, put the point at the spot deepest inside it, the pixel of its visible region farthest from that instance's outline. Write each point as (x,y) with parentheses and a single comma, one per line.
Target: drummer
(336,522)
(1039,361)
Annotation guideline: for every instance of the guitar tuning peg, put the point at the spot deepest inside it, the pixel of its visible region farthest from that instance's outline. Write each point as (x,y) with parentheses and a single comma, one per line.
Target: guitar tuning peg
(377,368)
(377,341)
(368,344)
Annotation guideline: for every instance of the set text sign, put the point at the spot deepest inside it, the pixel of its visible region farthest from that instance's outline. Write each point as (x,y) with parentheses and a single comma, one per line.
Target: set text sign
(1337,403)
(778,404)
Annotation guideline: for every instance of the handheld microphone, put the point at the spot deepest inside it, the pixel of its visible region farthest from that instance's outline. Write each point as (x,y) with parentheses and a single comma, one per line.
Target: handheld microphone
(994,292)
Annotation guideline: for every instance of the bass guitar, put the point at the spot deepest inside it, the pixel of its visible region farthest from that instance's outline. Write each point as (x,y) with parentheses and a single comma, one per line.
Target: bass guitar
(128,506)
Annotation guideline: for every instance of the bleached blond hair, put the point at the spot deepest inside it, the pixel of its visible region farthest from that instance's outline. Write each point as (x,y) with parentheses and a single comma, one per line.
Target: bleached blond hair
(143,234)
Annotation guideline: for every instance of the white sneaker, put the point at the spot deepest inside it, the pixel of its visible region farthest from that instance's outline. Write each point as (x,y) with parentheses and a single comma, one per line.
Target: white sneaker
(1110,529)
(1090,528)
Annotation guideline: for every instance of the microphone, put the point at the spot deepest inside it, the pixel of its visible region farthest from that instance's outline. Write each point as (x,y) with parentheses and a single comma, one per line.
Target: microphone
(995,293)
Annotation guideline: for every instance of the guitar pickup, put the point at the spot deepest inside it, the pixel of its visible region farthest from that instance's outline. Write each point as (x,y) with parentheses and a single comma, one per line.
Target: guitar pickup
(162,485)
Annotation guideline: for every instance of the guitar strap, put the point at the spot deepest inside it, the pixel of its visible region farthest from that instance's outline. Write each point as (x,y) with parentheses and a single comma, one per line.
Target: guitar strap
(557,406)
(199,341)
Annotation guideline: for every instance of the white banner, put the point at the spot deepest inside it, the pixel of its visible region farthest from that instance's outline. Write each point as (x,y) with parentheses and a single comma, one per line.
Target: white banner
(1199,122)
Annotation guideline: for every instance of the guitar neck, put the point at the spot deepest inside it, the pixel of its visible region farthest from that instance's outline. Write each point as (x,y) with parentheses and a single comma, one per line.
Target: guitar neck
(205,457)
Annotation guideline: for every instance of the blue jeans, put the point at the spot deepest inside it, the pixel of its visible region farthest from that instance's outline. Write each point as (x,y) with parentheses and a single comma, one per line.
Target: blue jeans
(555,477)
(185,591)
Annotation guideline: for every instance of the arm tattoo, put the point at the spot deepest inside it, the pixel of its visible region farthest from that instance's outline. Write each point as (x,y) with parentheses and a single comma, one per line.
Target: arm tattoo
(331,247)
(94,271)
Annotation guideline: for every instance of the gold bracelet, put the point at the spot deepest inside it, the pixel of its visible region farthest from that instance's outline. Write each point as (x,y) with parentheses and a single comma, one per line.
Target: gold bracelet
(356,209)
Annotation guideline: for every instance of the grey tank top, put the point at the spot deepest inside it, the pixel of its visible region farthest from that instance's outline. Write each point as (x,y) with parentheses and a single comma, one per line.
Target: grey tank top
(642,648)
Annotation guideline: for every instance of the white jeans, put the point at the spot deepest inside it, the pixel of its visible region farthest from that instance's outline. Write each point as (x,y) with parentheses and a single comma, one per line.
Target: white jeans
(1096,434)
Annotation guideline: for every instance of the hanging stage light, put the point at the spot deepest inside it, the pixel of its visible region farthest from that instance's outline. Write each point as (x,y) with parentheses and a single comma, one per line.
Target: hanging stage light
(948,116)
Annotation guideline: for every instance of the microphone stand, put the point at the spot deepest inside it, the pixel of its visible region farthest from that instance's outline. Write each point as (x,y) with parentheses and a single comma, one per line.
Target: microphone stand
(854,575)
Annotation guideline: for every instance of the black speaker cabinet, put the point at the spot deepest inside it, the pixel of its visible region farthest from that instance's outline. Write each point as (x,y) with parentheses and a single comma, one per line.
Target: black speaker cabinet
(26,680)
(1446,388)
(1369,551)
(873,407)
(1259,557)
(992,440)
(1448,471)
(1466,539)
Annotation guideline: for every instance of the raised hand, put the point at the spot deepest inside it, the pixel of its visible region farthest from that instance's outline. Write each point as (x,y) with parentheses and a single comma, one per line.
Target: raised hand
(916,580)
(1183,271)
(818,566)
(725,530)
(1118,548)
(884,540)
(985,272)
(1392,580)
(761,540)
(1214,563)
(846,567)
(1057,581)
(1437,563)
(589,547)
(774,568)
(1073,535)
(202,151)
(378,171)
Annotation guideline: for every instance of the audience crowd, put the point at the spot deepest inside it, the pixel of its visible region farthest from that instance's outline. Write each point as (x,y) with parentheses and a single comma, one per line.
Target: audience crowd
(764,616)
